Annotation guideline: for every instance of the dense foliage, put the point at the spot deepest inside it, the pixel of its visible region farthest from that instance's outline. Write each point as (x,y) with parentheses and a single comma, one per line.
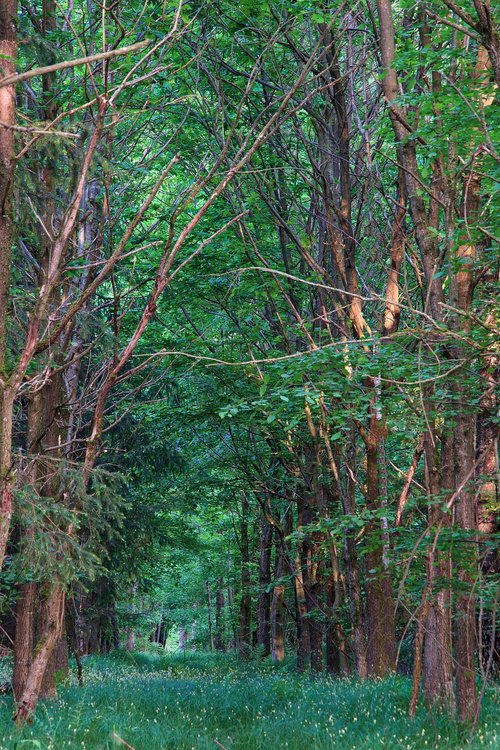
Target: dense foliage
(249,343)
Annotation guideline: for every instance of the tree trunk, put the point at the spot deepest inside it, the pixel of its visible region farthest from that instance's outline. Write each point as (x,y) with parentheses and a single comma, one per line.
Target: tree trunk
(351,559)
(209,610)
(336,650)
(58,662)
(467,569)
(302,623)
(182,639)
(8,53)
(264,600)
(24,638)
(437,663)
(220,644)
(130,643)
(277,604)
(53,619)
(379,601)
(245,642)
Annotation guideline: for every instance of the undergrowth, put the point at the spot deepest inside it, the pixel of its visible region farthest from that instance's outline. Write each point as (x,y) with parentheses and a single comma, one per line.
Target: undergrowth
(203,701)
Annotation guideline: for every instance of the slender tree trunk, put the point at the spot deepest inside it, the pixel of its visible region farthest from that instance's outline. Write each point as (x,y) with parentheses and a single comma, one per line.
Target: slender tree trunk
(220,640)
(8,53)
(264,600)
(304,626)
(130,643)
(311,555)
(209,609)
(488,499)
(277,603)
(336,650)
(302,623)
(332,646)
(245,640)
(359,640)
(467,569)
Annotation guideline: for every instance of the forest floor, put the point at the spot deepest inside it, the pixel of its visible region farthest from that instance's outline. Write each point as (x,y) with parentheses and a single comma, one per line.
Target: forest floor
(204,701)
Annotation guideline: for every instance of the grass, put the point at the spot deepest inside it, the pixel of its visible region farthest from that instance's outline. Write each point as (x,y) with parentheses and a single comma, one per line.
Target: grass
(193,702)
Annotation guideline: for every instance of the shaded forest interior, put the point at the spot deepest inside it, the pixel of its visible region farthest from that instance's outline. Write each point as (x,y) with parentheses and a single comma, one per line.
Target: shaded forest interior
(249,338)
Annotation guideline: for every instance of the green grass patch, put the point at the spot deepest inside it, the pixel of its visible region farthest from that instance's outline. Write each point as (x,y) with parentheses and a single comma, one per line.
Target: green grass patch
(155,702)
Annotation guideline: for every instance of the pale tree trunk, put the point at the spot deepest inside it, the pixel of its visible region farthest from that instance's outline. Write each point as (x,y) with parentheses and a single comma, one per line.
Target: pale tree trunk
(8,52)
(209,610)
(336,647)
(182,639)
(245,644)
(301,621)
(277,603)
(282,565)
(130,642)
(220,644)
(264,599)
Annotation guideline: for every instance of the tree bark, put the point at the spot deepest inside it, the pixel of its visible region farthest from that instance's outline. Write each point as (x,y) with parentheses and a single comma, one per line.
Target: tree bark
(245,640)
(8,52)
(264,599)
(24,638)
(220,640)
(277,603)
(209,611)
(437,662)
(356,607)
(27,702)
(379,601)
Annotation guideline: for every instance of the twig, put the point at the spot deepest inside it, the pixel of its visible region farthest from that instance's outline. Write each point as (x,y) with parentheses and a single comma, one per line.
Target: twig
(122,741)
(13,80)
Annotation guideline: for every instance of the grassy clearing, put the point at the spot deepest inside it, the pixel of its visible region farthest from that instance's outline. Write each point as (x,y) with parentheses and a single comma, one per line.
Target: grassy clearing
(188,702)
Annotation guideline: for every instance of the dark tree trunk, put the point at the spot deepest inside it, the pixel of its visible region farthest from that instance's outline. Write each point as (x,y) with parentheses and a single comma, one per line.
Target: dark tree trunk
(332,646)
(311,555)
(437,663)
(359,640)
(379,601)
(53,617)
(303,623)
(24,639)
